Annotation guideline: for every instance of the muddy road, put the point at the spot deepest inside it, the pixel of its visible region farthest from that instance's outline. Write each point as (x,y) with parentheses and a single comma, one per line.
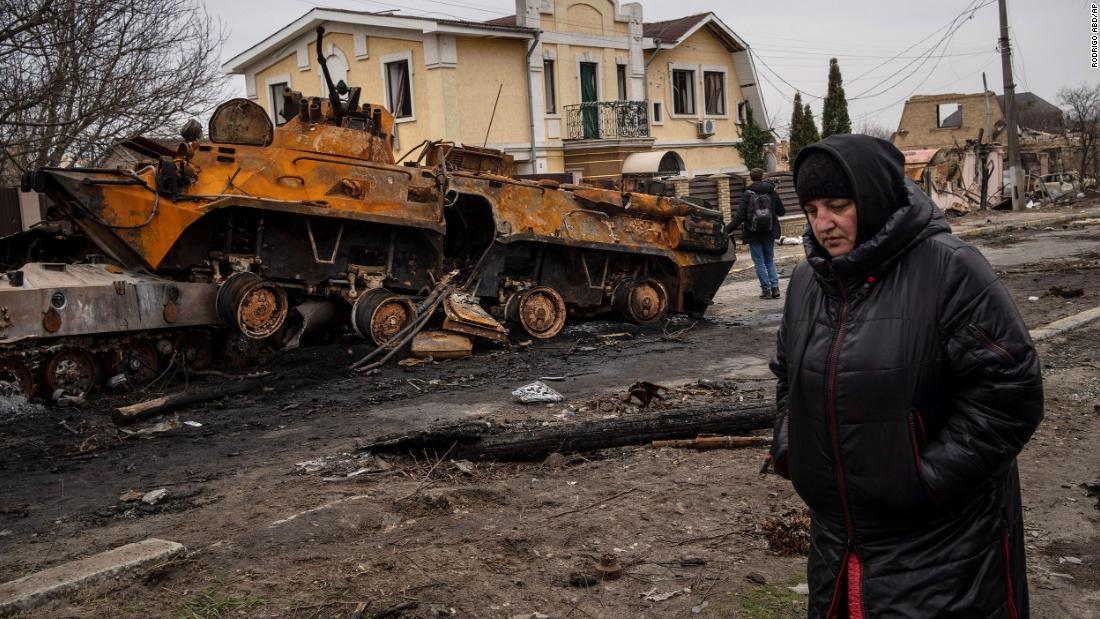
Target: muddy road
(261,496)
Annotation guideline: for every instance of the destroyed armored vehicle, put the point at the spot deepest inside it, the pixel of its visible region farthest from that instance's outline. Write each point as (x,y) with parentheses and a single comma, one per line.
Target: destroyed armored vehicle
(264,233)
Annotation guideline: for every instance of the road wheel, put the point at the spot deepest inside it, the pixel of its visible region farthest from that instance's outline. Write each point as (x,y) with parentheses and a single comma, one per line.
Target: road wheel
(539,311)
(254,306)
(72,370)
(137,360)
(18,373)
(379,314)
(641,301)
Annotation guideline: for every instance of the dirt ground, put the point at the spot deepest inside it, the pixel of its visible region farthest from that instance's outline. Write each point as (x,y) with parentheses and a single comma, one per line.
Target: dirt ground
(284,516)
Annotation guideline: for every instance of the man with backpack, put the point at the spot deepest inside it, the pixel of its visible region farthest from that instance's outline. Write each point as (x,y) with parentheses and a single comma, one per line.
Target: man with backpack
(759,215)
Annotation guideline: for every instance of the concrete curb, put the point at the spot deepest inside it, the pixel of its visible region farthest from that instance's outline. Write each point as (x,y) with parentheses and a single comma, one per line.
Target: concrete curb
(1027,224)
(1068,323)
(36,589)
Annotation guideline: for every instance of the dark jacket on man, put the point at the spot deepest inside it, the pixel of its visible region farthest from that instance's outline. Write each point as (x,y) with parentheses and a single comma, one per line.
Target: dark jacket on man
(907,385)
(740,218)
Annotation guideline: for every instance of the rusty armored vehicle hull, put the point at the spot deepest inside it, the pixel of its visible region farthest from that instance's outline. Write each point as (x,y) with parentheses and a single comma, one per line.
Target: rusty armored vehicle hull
(259,234)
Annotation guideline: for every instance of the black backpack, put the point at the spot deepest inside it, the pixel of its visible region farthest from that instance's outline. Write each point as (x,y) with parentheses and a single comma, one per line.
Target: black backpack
(759,217)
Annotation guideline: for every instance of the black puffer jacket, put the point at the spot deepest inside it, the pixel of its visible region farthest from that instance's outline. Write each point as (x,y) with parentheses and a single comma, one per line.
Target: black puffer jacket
(907,386)
(742,214)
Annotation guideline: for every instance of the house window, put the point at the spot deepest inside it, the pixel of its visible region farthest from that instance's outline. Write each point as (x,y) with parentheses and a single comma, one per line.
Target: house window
(399,89)
(658,113)
(742,112)
(275,91)
(551,95)
(620,74)
(714,93)
(683,92)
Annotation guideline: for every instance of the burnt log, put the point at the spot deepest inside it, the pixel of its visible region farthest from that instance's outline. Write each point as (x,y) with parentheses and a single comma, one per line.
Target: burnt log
(475,441)
(173,402)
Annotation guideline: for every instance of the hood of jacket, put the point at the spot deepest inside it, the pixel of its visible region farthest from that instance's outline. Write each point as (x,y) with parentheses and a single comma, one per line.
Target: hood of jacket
(893,213)
(762,187)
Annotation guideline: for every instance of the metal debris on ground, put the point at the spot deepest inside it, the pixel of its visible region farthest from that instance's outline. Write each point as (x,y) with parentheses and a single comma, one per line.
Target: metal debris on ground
(537,392)
(609,568)
(645,392)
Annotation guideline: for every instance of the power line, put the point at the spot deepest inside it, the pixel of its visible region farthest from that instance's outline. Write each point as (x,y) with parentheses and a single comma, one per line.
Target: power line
(952,28)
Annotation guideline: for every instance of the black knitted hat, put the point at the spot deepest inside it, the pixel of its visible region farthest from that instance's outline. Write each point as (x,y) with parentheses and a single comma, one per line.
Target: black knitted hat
(820,176)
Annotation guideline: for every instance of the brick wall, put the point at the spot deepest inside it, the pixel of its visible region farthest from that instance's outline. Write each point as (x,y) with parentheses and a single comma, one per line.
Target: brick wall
(919,126)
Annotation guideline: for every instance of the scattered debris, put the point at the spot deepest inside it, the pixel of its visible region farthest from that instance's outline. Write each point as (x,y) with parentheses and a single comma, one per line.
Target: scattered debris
(692,561)
(131,496)
(464,466)
(160,427)
(700,608)
(537,392)
(441,345)
(756,578)
(653,596)
(192,424)
(154,496)
(412,362)
(609,568)
(801,589)
(1033,299)
(1070,560)
(645,392)
(789,534)
(1066,293)
(716,442)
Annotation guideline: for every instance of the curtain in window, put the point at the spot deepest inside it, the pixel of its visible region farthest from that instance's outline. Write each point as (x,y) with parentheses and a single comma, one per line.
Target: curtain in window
(683,92)
(397,75)
(590,113)
(715,92)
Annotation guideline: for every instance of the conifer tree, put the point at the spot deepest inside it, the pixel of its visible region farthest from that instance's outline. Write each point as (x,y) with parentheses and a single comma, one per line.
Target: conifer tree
(834,116)
(753,139)
(809,127)
(796,139)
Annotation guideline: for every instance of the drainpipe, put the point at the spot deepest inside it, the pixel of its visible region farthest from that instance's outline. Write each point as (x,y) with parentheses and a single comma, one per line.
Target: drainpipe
(531,100)
(645,76)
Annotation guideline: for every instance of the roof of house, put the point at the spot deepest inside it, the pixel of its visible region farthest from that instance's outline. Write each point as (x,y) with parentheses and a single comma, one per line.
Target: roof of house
(314,17)
(672,29)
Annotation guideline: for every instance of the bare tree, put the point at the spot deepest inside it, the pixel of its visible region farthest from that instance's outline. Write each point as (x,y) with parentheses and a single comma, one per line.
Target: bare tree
(78,76)
(1082,104)
(873,129)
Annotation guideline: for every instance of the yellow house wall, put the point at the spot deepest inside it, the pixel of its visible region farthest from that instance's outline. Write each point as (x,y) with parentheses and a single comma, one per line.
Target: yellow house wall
(709,158)
(286,66)
(593,17)
(367,74)
(484,65)
(701,48)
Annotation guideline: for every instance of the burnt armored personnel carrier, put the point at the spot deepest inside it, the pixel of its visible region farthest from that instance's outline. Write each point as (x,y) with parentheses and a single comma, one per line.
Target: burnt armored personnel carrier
(263,231)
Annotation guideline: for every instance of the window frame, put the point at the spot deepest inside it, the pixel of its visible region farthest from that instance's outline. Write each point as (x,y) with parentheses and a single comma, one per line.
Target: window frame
(693,72)
(270,83)
(384,62)
(550,87)
(724,71)
(653,113)
(622,81)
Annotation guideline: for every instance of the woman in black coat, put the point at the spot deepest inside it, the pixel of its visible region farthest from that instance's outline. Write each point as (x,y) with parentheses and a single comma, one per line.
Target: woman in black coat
(907,385)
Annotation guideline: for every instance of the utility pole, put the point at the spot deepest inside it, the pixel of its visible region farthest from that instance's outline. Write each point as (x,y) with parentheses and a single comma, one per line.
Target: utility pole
(1010,112)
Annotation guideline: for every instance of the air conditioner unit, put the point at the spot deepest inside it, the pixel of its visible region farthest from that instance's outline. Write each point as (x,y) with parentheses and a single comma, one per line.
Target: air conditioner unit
(707,128)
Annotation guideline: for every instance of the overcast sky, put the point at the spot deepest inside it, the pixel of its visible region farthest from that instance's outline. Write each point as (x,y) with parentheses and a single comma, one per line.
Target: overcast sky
(887,51)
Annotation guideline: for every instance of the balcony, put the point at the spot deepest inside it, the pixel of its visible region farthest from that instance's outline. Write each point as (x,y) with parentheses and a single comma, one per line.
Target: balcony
(607,120)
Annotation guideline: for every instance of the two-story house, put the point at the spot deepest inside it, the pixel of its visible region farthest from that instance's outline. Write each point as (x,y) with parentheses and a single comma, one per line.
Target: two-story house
(562,86)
